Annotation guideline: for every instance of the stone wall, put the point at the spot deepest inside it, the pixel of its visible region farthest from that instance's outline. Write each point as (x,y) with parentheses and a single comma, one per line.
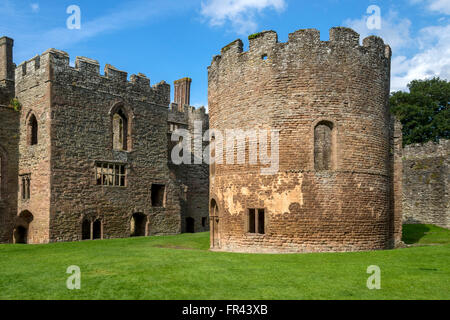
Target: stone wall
(193,178)
(293,87)
(426,184)
(9,154)
(74,107)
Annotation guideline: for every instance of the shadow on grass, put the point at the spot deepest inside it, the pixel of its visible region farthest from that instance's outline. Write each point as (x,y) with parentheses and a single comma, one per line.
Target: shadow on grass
(412,233)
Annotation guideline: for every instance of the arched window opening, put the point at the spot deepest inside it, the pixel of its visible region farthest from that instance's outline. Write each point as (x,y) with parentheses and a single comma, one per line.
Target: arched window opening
(138,225)
(120,131)
(86,230)
(323,146)
(97,229)
(212,166)
(32,130)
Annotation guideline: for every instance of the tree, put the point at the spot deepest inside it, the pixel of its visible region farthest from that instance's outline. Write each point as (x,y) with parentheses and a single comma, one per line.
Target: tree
(424,112)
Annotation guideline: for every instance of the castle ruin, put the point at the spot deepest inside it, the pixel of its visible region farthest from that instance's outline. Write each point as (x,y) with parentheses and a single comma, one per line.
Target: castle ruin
(86,156)
(338,187)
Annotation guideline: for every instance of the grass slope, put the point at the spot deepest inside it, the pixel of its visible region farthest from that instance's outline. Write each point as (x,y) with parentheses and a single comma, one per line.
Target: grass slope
(181,267)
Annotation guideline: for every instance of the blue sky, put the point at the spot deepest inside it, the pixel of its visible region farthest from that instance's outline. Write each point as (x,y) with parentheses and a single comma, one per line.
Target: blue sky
(171,39)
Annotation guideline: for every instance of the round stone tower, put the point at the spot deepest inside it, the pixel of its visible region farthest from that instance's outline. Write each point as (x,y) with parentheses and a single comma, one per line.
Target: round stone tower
(327,180)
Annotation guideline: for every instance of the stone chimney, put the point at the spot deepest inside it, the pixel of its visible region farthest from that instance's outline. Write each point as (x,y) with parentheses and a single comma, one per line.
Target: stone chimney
(6,61)
(182,92)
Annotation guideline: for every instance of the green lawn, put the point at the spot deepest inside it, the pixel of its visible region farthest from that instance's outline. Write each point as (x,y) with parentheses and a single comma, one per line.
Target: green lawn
(181,267)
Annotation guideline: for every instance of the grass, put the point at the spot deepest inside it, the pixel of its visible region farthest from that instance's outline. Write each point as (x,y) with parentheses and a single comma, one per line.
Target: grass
(181,267)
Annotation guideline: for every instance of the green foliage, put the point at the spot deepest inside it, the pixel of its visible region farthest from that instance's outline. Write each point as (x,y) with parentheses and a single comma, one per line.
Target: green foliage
(254,36)
(181,267)
(15,104)
(424,112)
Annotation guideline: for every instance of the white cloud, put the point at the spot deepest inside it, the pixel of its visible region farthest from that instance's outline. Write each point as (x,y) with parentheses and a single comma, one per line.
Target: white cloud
(432,61)
(241,14)
(424,56)
(35,7)
(440,6)
(394,30)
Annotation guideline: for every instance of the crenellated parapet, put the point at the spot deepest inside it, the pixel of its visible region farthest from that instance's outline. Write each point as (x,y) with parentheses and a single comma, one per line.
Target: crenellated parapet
(54,65)
(265,46)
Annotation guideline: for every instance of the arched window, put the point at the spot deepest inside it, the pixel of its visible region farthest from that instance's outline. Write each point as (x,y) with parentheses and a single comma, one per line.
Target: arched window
(86,230)
(32,130)
(212,166)
(323,146)
(120,131)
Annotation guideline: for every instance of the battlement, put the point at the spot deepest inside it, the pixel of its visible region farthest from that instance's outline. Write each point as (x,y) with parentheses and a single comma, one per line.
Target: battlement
(55,65)
(265,45)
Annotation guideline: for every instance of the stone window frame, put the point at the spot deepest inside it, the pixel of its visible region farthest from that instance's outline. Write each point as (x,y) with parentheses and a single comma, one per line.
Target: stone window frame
(334,146)
(91,221)
(32,136)
(120,107)
(164,200)
(25,186)
(106,165)
(256,221)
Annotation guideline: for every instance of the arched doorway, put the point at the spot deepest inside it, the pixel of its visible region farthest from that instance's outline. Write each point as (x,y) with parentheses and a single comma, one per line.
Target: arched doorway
(22,228)
(214,224)
(21,235)
(138,225)
(97,229)
(86,230)
(190,225)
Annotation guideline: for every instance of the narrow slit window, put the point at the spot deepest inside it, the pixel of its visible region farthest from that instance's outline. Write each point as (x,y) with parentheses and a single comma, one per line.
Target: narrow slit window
(251,221)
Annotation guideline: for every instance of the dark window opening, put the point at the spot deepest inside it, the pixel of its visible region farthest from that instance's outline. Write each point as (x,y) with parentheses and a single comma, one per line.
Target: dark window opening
(32,130)
(97,230)
(158,191)
(86,230)
(251,221)
(120,131)
(261,218)
(264,57)
(138,224)
(110,174)
(190,225)
(256,221)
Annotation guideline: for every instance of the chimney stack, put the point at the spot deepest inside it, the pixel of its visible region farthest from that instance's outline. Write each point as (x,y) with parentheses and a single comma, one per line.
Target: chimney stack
(6,61)
(182,92)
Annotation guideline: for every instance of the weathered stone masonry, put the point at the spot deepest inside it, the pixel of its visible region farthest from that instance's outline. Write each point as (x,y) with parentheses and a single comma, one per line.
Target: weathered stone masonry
(88,158)
(426,184)
(336,189)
